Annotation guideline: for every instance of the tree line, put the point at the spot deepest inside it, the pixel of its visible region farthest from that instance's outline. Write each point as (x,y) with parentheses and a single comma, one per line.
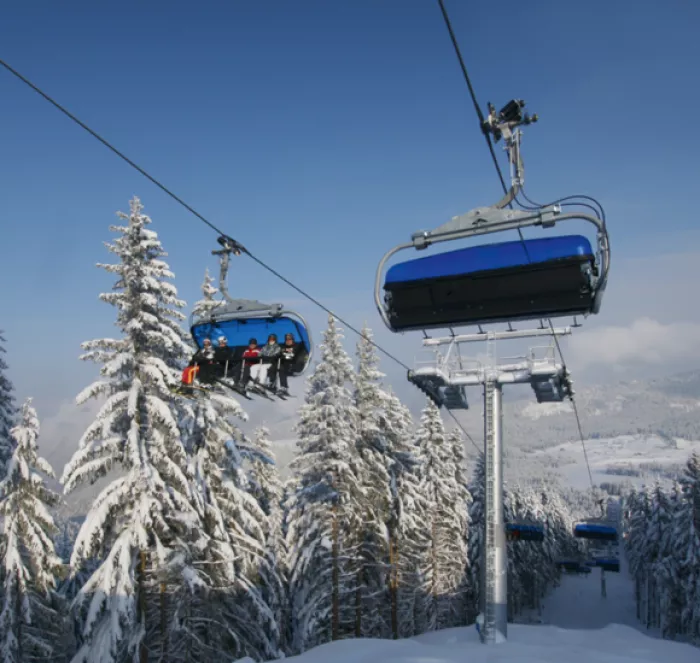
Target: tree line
(662,541)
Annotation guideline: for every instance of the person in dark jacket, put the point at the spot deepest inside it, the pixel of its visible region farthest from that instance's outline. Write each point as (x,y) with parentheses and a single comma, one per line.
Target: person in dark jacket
(204,359)
(223,356)
(288,357)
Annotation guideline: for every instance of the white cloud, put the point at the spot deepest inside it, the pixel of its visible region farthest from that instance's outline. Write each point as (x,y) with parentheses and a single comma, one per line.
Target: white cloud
(645,341)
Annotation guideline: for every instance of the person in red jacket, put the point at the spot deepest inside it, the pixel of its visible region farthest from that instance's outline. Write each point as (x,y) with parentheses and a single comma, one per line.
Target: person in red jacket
(251,357)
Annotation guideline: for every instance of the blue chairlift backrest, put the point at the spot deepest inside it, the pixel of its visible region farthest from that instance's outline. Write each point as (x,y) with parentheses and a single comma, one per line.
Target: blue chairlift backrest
(592,530)
(488,257)
(525,531)
(238,332)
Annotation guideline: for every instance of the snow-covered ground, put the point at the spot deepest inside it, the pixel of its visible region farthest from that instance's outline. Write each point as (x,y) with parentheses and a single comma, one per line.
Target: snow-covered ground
(625,450)
(580,626)
(526,644)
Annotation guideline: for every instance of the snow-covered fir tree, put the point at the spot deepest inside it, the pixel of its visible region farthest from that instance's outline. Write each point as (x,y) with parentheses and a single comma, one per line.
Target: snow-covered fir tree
(477,488)
(266,486)
(8,410)
(145,518)
(372,619)
(265,479)
(207,304)
(457,555)
(407,537)
(326,507)
(446,563)
(31,625)
(230,615)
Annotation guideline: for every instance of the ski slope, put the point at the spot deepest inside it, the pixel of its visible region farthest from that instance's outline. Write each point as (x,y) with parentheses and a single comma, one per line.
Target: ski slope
(577,603)
(580,626)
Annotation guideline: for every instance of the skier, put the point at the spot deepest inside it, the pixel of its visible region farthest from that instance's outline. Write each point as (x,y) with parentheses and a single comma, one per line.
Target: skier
(224,357)
(289,353)
(251,357)
(201,364)
(271,354)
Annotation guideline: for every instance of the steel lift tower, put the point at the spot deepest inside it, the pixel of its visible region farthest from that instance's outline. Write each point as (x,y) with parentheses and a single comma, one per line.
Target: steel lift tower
(549,380)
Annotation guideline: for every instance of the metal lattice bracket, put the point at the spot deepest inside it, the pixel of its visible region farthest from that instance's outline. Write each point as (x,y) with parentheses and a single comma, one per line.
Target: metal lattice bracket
(444,366)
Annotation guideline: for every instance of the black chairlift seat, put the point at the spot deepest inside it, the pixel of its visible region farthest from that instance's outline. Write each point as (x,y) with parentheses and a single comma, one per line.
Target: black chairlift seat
(524,532)
(595,531)
(612,565)
(573,566)
(455,397)
(516,280)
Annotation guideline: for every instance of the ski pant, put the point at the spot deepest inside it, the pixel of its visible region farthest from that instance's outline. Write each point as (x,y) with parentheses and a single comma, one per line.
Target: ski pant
(281,368)
(256,371)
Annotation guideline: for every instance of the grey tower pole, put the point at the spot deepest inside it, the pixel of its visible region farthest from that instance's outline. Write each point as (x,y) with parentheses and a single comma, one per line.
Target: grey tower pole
(495,553)
(551,384)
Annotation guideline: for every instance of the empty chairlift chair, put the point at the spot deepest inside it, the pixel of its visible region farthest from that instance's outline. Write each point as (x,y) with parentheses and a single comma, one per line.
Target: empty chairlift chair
(573,566)
(499,282)
(455,398)
(524,532)
(612,565)
(597,531)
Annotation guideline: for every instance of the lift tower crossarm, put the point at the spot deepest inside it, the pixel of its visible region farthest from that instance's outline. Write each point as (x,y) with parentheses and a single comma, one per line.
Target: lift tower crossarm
(495,335)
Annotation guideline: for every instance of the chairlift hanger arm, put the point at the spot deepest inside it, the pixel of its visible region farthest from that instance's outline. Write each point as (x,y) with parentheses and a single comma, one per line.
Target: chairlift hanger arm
(229,246)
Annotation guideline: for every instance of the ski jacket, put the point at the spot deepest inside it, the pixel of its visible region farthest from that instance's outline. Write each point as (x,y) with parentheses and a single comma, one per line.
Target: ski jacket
(271,352)
(290,352)
(251,357)
(203,355)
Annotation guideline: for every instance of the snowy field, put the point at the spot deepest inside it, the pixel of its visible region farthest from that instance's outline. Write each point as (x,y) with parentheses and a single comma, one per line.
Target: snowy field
(526,644)
(579,626)
(626,450)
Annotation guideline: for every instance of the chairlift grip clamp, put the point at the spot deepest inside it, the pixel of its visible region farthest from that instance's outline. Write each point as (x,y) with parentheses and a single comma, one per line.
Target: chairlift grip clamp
(229,245)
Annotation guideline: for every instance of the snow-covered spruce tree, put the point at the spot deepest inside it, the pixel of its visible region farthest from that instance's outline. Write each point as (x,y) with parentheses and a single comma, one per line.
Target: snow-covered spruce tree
(477,489)
(264,476)
(31,624)
(207,304)
(325,509)
(230,615)
(457,556)
(266,486)
(687,540)
(407,537)
(446,562)
(8,410)
(142,519)
(372,619)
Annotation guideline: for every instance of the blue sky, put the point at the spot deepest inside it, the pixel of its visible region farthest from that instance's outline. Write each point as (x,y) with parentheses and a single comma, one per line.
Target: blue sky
(321,134)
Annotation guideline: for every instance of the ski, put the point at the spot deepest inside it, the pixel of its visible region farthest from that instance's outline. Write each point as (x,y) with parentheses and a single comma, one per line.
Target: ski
(190,392)
(234,387)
